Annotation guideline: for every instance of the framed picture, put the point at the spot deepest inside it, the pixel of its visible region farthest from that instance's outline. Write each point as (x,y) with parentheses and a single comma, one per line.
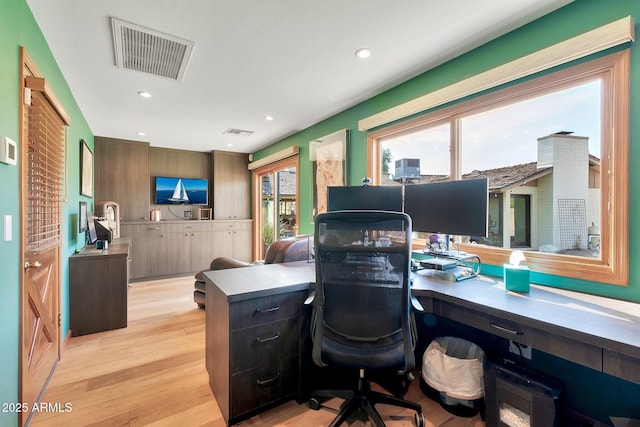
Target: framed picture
(86,170)
(329,157)
(82,218)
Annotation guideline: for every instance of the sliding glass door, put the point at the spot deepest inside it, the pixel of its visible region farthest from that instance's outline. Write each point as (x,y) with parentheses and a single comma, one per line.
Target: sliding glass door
(275,203)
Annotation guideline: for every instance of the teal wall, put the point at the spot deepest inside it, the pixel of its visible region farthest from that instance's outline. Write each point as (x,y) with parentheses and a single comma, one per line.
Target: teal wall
(18,28)
(575,18)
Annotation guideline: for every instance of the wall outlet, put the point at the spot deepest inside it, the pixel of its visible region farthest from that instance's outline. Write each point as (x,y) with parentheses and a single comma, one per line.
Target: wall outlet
(520,349)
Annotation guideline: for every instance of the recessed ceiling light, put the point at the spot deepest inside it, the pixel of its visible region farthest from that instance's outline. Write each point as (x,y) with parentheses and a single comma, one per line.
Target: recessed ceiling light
(144,94)
(268,117)
(229,144)
(142,133)
(363,53)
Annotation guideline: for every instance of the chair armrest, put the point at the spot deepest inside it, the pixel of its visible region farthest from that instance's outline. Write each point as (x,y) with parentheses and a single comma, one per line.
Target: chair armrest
(310,298)
(416,304)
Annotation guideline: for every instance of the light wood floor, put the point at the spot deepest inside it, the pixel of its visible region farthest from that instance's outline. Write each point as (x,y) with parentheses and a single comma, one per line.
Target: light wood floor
(152,373)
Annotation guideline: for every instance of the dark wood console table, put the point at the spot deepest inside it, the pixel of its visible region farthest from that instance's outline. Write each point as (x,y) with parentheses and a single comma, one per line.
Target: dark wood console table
(597,332)
(98,283)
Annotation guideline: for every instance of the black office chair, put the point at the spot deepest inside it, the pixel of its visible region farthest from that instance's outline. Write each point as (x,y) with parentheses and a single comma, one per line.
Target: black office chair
(361,306)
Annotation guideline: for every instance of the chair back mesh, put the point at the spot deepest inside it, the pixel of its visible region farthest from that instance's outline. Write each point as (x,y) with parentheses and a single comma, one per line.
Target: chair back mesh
(362,279)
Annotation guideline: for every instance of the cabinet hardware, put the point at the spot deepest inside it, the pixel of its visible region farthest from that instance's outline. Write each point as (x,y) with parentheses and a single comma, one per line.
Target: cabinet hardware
(268,380)
(271,338)
(267,310)
(504,329)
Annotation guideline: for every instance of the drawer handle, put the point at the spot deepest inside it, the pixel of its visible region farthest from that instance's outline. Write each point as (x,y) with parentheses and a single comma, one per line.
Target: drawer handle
(269,380)
(153,228)
(507,330)
(267,310)
(263,340)
(192,227)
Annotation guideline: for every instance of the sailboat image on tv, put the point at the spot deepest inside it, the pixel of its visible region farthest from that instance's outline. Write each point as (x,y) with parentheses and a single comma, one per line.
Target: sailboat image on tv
(179,193)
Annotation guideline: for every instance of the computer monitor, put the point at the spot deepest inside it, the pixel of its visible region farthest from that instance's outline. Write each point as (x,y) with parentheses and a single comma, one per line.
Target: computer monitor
(92,237)
(449,207)
(103,231)
(375,197)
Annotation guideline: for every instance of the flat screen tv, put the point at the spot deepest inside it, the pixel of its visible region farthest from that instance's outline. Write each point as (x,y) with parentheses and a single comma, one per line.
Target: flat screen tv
(375,197)
(449,207)
(181,191)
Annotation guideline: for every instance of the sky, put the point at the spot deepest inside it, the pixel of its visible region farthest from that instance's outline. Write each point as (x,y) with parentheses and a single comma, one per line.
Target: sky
(509,133)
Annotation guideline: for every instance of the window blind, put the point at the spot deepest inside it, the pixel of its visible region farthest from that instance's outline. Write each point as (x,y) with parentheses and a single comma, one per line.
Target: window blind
(46,147)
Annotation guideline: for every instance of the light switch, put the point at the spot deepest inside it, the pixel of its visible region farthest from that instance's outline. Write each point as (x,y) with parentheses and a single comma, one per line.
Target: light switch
(7,228)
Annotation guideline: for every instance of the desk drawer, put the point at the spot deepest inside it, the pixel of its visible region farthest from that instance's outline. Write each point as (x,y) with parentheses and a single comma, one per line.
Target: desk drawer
(547,341)
(257,311)
(264,344)
(258,387)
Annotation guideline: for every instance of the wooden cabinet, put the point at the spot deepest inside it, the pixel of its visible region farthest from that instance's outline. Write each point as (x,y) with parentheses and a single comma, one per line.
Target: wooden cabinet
(234,239)
(122,176)
(252,351)
(182,247)
(231,186)
(98,283)
(137,252)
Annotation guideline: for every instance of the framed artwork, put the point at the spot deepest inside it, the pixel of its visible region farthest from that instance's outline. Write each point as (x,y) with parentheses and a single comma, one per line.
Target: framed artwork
(86,170)
(82,218)
(329,157)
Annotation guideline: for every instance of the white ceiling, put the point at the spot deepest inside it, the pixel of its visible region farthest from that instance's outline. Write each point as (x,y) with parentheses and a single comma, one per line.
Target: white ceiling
(292,59)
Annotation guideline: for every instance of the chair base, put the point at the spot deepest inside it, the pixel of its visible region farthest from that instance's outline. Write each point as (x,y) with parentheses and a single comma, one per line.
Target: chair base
(364,398)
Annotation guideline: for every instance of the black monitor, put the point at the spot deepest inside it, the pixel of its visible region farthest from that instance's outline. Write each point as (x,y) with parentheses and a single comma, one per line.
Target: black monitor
(103,231)
(375,197)
(449,207)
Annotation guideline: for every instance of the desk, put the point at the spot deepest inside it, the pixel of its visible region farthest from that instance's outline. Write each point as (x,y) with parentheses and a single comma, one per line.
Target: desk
(597,332)
(98,282)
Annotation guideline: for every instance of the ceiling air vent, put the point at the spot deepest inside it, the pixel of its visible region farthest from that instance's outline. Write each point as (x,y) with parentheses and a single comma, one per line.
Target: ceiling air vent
(148,51)
(238,132)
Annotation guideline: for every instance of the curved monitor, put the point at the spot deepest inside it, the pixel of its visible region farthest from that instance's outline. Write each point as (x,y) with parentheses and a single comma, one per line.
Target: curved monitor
(449,207)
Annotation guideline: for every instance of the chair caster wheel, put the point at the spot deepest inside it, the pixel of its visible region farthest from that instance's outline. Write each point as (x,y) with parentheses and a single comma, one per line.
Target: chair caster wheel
(314,404)
(419,419)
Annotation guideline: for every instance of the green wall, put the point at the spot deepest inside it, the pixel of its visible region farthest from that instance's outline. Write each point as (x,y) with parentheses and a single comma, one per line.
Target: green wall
(592,393)
(18,28)
(575,18)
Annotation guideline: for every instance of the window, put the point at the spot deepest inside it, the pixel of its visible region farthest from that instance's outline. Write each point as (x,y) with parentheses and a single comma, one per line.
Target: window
(546,145)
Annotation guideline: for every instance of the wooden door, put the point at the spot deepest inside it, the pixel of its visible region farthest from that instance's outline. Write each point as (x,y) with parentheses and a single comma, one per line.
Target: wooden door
(42,164)
(40,327)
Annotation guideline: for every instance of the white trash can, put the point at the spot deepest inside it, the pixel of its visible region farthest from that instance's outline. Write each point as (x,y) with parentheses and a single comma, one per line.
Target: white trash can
(454,367)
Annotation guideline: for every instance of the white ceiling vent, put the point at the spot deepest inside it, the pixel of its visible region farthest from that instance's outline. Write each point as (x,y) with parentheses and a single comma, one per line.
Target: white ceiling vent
(148,51)
(237,132)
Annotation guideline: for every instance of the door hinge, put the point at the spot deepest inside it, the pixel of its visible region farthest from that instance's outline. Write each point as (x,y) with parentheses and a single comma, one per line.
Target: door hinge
(59,320)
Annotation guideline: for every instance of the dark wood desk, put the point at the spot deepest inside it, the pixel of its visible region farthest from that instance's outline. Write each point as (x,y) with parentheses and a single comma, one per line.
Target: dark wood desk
(98,282)
(597,332)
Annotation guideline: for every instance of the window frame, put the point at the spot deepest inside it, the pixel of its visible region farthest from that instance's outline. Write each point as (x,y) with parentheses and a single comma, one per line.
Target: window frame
(613,69)
(257,173)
